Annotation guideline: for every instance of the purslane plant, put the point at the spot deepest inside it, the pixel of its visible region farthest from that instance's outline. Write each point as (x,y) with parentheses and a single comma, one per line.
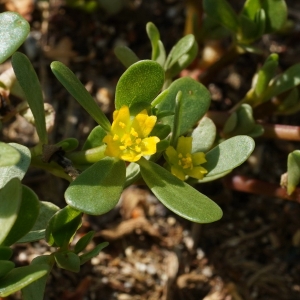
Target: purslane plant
(159,134)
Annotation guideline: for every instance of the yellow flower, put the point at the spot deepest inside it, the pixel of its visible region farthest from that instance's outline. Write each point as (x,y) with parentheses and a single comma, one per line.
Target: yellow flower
(128,138)
(183,162)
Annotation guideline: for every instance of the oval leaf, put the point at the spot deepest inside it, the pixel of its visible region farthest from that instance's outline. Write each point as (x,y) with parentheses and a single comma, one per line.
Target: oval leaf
(228,155)
(31,87)
(203,135)
(126,56)
(276,14)
(9,156)
(18,170)
(90,254)
(293,171)
(141,82)
(10,202)
(97,190)
(68,260)
(18,278)
(95,138)
(62,226)
(178,196)
(83,242)
(37,232)
(5,253)
(13,31)
(27,216)
(194,104)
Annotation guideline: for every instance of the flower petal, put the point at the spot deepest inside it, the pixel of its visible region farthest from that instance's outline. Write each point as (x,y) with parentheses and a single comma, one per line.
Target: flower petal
(149,145)
(172,155)
(184,145)
(198,158)
(112,148)
(196,172)
(121,121)
(178,173)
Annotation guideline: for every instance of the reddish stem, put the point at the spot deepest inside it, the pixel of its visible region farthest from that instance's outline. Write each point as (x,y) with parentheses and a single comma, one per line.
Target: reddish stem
(259,187)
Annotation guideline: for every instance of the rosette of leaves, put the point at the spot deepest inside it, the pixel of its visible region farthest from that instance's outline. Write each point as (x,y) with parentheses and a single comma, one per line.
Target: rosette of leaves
(98,188)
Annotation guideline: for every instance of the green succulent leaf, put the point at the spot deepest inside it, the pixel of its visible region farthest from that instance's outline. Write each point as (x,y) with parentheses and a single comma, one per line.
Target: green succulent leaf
(18,170)
(36,289)
(203,135)
(83,242)
(62,226)
(282,83)
(266,73)
(13,31)
(9,156)
(37,232)
(5,267)
(141,82)
(222,12)
(68,260)
(293,171)
(18,278)
(195,103)
(5,253)
(95,138)
(276,14)
(178,196)
(132,174)
(126,56)
(90,254)
(97,190)
(250,8)
(158,49)
(31,87)
(73,85)
(228,155)
(10,202)
(27,216)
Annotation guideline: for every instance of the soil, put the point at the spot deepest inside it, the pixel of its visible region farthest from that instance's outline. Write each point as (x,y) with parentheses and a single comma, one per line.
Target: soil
(253,252)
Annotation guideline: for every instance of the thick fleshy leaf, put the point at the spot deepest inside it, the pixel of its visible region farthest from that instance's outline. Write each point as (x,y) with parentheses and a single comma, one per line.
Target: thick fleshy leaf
(141,82)
(5,267)
(73,85)
(266,73)
(250,8)
(68,260)
(195,102)
(13,31)
(62,226)
(18,278)
(222,12)
(132,174)
(95,138)
(178,196)
(83,242)
(293,171)
(90,254)
(203,135)
(228,155)
(18,170)
(282,83)
(126,56)
(5,253)
(181,55)
(9,156)
(97,190)
(36,289)
(28,213)
(158,49)
(37,232)
(10,202)
(276,14)
(31,87)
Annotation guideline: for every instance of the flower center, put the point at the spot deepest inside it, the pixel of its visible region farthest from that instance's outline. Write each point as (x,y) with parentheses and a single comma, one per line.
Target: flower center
(129,141)
(185,162)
